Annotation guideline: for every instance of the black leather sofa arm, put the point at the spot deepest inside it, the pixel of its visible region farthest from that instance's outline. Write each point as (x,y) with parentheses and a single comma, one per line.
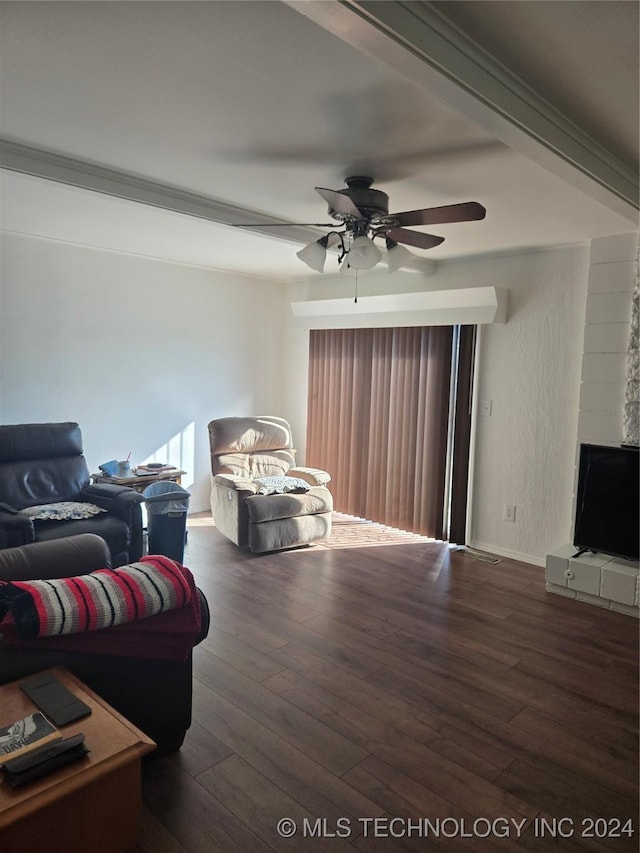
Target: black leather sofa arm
(15,529)
(205,617)
(57,558)
(117,499)
(122,502)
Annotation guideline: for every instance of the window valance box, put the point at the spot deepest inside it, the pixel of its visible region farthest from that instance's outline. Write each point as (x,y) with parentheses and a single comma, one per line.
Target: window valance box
(456,306)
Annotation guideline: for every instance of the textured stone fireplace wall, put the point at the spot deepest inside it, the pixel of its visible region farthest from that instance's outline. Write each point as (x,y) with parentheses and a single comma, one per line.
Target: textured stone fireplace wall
(631,414)
(598,579)
(606,339)
(594,579)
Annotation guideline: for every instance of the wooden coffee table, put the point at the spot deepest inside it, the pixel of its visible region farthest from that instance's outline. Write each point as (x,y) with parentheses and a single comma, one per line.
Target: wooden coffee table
(91,805)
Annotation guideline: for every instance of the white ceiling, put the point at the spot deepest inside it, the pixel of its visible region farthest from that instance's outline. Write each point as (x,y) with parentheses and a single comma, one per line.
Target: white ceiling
(252,104)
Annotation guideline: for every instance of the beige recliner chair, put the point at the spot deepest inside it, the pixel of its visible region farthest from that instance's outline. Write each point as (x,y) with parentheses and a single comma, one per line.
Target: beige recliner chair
(259,499)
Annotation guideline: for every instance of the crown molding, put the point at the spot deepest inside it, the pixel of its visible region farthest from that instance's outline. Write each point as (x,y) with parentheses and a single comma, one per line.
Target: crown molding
(90,176)
(426,48)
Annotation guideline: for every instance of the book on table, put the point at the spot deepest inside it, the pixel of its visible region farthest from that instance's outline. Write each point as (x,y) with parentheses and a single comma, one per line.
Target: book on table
(21,737)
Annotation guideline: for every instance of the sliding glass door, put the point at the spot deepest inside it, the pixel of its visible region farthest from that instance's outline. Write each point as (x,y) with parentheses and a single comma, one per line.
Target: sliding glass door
(379,420)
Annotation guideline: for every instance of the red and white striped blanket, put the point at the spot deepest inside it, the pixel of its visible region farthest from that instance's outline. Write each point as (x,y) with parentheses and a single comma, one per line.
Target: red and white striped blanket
(102,599)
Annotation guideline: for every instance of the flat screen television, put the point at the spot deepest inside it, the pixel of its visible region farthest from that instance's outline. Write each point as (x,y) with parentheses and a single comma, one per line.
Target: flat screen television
(607,507)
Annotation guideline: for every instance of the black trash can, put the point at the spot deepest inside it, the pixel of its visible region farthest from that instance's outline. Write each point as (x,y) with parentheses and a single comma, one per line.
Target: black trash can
(167,504)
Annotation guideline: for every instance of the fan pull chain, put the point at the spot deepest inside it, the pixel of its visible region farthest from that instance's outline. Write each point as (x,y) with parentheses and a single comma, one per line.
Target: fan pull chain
(355,299)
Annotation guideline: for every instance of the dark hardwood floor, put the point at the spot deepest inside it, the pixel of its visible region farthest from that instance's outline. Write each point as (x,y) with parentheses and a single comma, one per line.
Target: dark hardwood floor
(387,694)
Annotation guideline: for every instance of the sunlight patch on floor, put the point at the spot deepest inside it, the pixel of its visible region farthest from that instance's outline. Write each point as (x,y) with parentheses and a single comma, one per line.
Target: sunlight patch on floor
(349,531)
(200,519)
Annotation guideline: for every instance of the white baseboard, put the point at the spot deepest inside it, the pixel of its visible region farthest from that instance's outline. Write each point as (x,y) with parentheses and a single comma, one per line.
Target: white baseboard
(505,552)
(198,508)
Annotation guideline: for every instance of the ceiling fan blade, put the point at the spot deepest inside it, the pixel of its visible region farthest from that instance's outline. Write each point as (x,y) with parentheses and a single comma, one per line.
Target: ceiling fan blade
(281,224)
(414,238)
(465,212)
(339,202)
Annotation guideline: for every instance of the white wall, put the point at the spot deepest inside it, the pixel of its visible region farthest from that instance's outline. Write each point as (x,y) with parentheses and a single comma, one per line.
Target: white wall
(529,368)
(142,353)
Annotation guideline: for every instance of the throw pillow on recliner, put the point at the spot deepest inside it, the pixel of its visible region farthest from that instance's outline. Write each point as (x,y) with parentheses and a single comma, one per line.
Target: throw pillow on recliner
(102,599)
(62,511)
(280,485)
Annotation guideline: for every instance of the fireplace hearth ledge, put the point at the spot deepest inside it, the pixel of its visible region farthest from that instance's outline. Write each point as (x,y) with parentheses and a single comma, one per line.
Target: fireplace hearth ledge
(609,582)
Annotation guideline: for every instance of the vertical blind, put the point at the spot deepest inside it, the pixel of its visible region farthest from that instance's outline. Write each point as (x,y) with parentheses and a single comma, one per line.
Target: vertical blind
(377,420)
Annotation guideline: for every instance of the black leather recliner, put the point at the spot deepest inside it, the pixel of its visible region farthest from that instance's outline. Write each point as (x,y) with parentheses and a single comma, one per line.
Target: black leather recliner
(44,464)
(155,694)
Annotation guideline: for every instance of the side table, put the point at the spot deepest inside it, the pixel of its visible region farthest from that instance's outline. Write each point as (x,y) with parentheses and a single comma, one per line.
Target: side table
(93,804)
(140,482)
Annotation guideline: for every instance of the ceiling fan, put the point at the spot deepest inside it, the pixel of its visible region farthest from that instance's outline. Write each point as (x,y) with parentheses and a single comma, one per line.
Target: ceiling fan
(363,214)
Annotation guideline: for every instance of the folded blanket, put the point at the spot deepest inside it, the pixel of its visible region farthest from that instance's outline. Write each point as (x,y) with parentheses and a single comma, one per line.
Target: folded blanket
(102,599)
(169,635)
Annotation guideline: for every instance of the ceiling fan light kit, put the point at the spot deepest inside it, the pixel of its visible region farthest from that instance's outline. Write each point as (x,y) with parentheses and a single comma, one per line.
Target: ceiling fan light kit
(364,216)
(363,254)
(347,270)
(397,255)
(315,254)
